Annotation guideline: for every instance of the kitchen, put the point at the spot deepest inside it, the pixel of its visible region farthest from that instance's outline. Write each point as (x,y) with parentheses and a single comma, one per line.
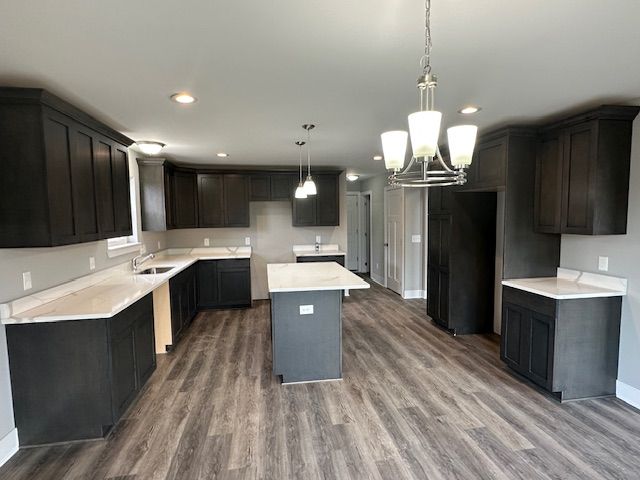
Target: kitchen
(238,346)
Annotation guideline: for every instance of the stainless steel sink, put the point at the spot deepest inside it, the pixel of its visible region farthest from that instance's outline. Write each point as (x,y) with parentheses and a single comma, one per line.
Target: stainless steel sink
(155,270)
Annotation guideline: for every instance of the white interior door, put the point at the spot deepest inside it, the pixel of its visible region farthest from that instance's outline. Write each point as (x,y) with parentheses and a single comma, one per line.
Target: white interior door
(394,230)
(353,222)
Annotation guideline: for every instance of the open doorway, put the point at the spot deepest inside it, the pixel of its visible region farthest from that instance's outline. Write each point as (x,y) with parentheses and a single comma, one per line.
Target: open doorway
(358,231)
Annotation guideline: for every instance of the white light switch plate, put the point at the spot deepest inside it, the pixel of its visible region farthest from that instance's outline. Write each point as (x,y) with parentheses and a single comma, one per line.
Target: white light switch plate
(247,240)
(92,263)
(603,264)
(306,309)
(416,238)
(26,281)
(206,242)
(158,244)
(318,238)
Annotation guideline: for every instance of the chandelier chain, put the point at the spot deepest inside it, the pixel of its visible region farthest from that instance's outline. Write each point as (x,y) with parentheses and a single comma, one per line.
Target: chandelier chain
(426,60)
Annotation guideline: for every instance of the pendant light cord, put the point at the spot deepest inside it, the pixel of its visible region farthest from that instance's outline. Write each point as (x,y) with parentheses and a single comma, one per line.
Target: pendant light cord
(309,152)
(300,148)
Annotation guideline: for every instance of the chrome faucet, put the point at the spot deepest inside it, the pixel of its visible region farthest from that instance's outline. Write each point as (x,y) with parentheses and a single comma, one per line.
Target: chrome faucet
(139,260)
(317,247)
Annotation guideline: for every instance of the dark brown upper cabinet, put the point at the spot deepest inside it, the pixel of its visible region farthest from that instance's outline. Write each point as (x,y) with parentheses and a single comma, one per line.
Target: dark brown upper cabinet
(156,194)
(322,209)
(64,176)
(272,186)
(582,173)
(236,200)
(185,199)
(488,168)
(260,187)
(211,200)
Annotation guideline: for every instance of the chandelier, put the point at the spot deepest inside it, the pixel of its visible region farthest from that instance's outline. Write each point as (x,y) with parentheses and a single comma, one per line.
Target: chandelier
(426,167)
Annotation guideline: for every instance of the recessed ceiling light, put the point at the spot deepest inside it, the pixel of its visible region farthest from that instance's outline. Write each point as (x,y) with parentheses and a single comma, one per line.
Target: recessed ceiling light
(352,177)
(469,109)
(150,148)
(183,98)
(377,157)
(222,154)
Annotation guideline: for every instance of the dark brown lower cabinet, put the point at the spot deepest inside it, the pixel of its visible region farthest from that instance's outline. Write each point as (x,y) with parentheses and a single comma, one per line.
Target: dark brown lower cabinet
(183,298)
(224,283)
(568,347)
(85,375)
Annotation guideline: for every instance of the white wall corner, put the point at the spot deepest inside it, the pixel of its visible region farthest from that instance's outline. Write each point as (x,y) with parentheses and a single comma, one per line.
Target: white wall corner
(378,279)
(414,294)
(8,446)
(628,394)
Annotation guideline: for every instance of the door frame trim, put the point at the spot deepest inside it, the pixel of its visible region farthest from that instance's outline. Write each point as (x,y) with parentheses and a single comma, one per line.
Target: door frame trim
(387,189)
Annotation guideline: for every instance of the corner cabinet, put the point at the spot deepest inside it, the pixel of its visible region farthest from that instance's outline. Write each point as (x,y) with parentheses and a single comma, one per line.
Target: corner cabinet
(322,209)
(567,347)
(582,173)
(86,374)
(75,170)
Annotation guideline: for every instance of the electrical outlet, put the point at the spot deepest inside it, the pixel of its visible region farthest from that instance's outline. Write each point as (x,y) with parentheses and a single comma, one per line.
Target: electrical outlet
(206,242)
(26,280)
(416,238)
(318,238)
(247,240)
(143,249)
(306,309)
(158,244)
(603,264)
(92,263)
(377,266)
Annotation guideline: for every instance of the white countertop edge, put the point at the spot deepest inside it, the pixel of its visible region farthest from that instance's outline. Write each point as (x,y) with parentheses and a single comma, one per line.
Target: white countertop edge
(313,253)
(568,296)
(317,289)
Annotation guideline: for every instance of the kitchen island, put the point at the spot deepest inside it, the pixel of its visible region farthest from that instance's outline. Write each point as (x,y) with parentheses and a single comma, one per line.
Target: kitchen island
(306,319)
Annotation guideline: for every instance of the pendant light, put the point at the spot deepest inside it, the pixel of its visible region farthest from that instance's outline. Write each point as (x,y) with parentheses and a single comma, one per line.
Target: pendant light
(300,191)
(309,184)
(427,168)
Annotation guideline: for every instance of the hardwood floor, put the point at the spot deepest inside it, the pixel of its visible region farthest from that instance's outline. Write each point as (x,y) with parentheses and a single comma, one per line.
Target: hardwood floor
(415,403)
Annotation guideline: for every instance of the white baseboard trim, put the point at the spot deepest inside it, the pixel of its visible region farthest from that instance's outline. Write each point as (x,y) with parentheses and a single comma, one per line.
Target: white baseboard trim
(377,279)
(628,394)
(414,294)
(8,446)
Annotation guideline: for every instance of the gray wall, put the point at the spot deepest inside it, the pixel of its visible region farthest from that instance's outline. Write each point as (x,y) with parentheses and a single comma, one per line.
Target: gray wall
(414,224)
(581,252)
(272,237)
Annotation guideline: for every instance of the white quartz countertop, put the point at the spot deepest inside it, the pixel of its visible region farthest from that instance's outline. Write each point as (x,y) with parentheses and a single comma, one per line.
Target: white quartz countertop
(326,250)
(304,277)
(572,284)
(105,294)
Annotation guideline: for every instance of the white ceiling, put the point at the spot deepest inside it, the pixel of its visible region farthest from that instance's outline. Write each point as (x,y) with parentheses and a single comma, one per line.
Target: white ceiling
(262,68)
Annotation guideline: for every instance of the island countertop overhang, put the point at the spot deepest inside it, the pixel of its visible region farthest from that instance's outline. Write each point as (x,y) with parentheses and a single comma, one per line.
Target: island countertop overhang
(305,277)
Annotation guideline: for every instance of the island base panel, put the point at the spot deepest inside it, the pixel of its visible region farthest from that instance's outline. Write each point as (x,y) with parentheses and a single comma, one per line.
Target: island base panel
(307,347)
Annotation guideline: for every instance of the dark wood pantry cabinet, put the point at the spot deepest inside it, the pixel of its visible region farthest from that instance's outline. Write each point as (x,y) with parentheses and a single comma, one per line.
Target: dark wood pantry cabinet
(64,176)
(74,379)
(582,173)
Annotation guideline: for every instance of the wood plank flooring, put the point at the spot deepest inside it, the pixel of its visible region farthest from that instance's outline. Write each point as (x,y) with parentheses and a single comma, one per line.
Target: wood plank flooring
(415,403)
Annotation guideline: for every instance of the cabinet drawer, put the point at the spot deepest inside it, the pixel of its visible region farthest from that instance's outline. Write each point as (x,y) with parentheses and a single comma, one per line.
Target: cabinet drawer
(531,301)
(233,263)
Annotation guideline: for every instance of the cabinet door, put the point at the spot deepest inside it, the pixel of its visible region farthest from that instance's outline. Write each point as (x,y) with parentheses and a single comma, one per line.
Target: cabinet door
(282,186)
(548,196)
(121,190)
(433,292)
(104,188)
(207,288)
(443,299)
(304,212)
(169,203)
(123,365)
(513,335)
(185,200)
(539,361)
(327,204)
(491,162)
(175,295)
(260,187)
(144,348)
(234,286)
(210,200)
(84,194)
(58,151)
(236,201)
(579,162)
